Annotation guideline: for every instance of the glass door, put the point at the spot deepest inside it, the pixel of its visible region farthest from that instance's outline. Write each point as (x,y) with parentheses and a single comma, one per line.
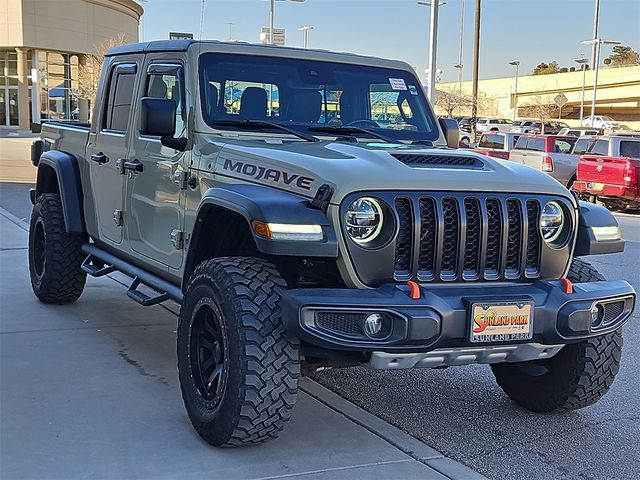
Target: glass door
(12,104)
(3,107)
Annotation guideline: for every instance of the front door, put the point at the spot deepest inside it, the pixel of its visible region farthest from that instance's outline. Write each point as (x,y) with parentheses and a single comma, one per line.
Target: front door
(155,194)
(107,149)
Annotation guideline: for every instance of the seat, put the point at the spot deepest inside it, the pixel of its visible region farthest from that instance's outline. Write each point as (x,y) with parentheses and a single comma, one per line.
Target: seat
(253,103)
(306,106)
(157,88)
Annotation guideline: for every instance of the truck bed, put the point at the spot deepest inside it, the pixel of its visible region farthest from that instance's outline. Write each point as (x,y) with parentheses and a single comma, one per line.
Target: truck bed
(65,136)
(609,176)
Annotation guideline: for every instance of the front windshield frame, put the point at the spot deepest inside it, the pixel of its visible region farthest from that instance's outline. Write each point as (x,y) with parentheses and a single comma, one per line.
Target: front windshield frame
(290,76)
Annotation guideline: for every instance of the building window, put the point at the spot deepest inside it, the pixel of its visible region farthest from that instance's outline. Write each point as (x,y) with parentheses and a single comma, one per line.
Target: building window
(58,86)
(9,86)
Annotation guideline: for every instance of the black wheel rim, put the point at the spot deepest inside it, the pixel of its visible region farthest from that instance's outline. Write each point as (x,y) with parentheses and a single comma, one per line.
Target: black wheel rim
(39,248)
(208,352)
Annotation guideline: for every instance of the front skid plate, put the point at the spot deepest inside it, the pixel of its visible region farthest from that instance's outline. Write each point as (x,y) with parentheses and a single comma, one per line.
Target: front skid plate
(449,357)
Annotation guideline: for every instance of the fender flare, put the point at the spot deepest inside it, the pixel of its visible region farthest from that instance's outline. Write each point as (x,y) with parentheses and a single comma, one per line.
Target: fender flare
(66,182)
(255,202)
(593,216)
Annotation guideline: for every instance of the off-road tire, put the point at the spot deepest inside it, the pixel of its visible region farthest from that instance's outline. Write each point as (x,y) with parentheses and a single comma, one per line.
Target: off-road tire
(263,362)
(55,256)
(576,377)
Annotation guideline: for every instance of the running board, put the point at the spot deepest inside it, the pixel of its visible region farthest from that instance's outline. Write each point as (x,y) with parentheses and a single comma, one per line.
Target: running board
(100,263)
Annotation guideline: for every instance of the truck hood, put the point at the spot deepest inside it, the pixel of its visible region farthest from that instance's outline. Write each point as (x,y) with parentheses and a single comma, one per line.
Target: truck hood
(302,167)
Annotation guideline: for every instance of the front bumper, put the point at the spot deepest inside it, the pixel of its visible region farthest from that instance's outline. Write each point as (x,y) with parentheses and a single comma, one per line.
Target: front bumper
(440,318)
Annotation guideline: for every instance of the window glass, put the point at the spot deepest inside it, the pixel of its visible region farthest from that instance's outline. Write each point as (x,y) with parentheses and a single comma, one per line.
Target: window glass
(170,87)
(521,144)
(564,146)
(582,146)
(629,148)
(601,147)
(492,141)
(119,101)
(536,144)
(300,94)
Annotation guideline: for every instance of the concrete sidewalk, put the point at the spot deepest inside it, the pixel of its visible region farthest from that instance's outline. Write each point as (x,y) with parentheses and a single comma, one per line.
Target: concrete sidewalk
(90,390)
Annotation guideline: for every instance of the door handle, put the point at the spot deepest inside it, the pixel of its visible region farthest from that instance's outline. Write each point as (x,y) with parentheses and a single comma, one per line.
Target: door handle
(100,158)
(134,165)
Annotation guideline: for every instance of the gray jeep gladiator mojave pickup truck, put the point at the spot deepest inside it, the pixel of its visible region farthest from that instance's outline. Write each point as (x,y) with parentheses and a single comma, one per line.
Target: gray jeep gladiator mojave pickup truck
(304,209)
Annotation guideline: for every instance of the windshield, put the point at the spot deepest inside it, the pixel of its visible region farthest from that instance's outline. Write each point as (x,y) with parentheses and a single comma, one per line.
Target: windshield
(301,94)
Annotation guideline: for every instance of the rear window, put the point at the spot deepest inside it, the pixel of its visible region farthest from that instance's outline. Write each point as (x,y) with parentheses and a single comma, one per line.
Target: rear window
(492,141)
(629,148)
(521,144)
(601,147)
(564,146)
(582,147)
(536,144)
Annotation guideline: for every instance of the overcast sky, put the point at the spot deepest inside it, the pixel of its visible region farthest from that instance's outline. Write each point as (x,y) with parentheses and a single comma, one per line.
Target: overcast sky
(531,31)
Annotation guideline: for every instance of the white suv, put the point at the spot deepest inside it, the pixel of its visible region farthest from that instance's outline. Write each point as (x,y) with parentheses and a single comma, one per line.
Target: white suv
(502,125)
(600,121)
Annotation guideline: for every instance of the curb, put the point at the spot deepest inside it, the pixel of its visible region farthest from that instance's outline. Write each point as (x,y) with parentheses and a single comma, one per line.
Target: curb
(393,435)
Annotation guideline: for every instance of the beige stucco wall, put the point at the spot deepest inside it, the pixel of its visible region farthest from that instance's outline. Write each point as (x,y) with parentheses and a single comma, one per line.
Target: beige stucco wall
(74,26)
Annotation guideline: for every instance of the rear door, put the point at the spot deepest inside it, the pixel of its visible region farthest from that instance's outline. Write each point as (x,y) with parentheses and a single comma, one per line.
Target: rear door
(109,144)
(155,194)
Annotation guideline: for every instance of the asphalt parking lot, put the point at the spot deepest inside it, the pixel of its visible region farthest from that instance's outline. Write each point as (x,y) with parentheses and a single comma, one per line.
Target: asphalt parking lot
(462,412)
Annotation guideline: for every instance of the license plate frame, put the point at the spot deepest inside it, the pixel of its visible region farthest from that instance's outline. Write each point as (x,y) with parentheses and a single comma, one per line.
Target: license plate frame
(500,321)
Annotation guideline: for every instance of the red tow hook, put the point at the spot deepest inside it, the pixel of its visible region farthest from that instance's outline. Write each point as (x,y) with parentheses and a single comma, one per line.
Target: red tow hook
(567,286)
(414,290)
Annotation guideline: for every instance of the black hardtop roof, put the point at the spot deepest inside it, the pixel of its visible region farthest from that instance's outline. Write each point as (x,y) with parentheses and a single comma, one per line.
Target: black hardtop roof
(184,44)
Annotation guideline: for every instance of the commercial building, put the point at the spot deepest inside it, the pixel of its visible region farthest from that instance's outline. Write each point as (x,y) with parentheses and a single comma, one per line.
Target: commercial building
(618,95)
(44,45)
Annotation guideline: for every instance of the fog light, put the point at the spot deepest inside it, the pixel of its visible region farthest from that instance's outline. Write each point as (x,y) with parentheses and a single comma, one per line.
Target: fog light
(372,324)
(596,315)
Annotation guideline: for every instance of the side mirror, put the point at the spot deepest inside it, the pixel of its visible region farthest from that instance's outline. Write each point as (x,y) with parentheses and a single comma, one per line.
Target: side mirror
(157,117)
(451,131)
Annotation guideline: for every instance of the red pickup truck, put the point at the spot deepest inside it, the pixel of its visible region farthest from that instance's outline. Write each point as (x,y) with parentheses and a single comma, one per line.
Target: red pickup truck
(610,171)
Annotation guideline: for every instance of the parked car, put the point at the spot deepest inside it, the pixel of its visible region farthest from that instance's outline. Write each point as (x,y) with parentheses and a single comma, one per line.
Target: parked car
(533,126)
(579,131)
(548,153)
(600,121)
(493,125)
(464,124)
(609,171)
(496,144)
(292,244)
(522,126)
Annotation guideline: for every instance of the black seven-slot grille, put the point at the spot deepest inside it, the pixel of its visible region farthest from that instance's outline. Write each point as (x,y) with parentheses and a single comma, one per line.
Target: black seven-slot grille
(449,238)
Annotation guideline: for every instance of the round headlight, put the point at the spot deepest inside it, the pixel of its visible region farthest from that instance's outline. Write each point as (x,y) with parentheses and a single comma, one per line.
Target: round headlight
(552,221)
(364,220)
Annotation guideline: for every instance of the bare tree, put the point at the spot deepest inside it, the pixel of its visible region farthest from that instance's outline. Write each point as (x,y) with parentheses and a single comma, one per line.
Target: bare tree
(540,107)
(450,98)
(89,73)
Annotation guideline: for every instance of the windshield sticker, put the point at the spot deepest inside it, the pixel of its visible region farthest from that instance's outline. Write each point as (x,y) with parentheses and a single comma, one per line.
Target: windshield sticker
(413,90)
(397,84)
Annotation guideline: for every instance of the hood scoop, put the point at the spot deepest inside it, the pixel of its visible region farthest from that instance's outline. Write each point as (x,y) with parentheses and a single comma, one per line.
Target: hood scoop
(417,160)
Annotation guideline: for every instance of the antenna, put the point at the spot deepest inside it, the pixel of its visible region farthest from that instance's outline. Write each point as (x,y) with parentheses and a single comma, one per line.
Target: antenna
(202,18)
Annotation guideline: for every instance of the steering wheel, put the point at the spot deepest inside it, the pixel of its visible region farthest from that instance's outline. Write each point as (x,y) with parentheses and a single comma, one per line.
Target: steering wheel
(365,122)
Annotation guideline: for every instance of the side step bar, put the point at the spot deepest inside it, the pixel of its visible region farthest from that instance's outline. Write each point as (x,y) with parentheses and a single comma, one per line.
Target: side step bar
(99,263)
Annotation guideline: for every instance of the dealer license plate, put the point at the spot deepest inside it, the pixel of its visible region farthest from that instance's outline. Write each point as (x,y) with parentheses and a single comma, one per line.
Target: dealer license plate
(501,321)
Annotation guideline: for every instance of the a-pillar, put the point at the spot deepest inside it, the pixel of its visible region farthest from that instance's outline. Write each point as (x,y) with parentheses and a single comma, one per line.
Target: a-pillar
(83,103)
(23,90)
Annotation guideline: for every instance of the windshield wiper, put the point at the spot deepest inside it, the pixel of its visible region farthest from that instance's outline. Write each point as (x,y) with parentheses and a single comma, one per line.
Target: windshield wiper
(348,129)
(247,123)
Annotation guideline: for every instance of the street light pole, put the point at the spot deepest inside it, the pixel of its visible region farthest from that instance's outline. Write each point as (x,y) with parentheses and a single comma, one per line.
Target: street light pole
(305,32)
(515,63)
(476,54)
(598,42)
(583,64)
(433,45)
(272,14)
(596,14)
